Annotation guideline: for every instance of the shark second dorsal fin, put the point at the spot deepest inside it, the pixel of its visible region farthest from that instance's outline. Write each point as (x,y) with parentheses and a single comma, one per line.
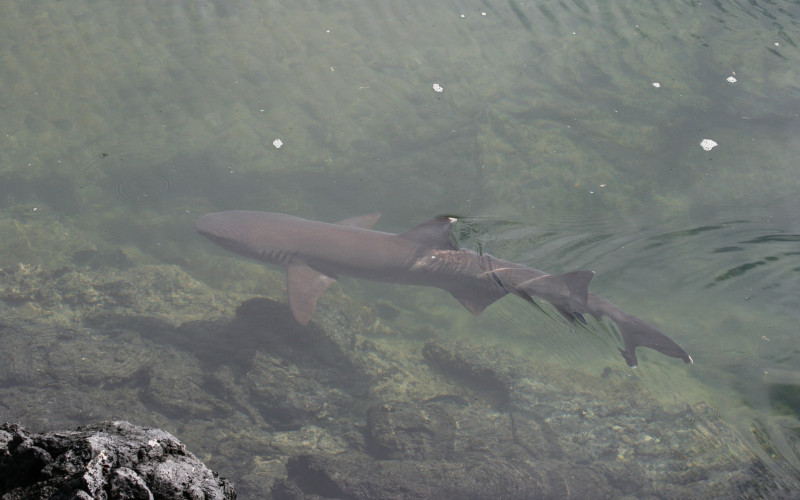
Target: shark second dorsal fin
(305,285)
(568,292)
(362,221)
(434,234)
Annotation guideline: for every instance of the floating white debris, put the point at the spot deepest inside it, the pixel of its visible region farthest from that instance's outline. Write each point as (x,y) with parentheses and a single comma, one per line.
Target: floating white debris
(463,16)
(483,13)
(277,143)
(438,88)
(656,84)
(732,79)
(708,144)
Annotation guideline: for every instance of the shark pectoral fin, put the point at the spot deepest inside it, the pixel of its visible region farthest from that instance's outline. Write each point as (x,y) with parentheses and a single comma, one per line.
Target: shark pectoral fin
(305,285)
(476,300)
(362,221)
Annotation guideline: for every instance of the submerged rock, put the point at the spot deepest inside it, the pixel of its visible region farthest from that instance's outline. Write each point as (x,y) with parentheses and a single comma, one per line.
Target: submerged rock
(108,460)
(353,475)
(347,407)
(518,431)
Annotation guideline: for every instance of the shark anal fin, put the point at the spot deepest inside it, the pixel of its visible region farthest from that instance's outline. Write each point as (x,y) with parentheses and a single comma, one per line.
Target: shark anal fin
(477,300)
(362,221)
(305,285)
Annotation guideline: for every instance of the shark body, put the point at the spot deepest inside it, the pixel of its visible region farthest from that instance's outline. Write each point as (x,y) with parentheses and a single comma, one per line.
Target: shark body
(315,254)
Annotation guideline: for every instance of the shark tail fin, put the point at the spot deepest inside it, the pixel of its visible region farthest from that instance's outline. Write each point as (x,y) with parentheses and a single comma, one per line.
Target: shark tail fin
(568,292)
(636,332)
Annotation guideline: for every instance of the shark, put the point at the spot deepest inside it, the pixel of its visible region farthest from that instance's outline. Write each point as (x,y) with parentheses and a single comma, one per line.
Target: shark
(315,254)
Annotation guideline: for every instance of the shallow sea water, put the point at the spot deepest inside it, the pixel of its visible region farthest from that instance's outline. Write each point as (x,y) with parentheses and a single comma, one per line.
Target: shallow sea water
(567,135)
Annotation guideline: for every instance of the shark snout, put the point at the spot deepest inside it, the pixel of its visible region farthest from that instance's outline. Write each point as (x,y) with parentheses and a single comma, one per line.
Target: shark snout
(205,225)
(232,230)
(211,226)
(218,227)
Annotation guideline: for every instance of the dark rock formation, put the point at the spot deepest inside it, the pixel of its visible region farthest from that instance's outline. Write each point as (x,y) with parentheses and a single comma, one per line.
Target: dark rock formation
(109,460)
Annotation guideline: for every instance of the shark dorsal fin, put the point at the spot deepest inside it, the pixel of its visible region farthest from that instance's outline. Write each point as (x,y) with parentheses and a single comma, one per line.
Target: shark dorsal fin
(434,234)
(362,221)
(305,285)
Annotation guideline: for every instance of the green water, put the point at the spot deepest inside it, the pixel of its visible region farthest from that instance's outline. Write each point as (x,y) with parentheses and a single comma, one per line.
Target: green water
(122,122)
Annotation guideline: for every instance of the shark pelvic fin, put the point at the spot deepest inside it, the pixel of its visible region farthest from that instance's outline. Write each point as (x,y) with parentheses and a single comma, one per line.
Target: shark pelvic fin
(305,285)
(433,234)
(362,221)
(477,300)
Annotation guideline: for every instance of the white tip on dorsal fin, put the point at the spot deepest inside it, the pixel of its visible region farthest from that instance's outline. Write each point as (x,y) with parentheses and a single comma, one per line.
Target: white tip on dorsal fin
(362,221)
(434,233)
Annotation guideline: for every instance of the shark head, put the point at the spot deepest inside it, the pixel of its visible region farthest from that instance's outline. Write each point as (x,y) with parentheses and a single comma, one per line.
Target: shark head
(230,230)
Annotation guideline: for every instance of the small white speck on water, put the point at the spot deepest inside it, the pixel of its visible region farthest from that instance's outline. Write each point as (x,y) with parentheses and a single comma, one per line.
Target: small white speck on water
(708,144)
